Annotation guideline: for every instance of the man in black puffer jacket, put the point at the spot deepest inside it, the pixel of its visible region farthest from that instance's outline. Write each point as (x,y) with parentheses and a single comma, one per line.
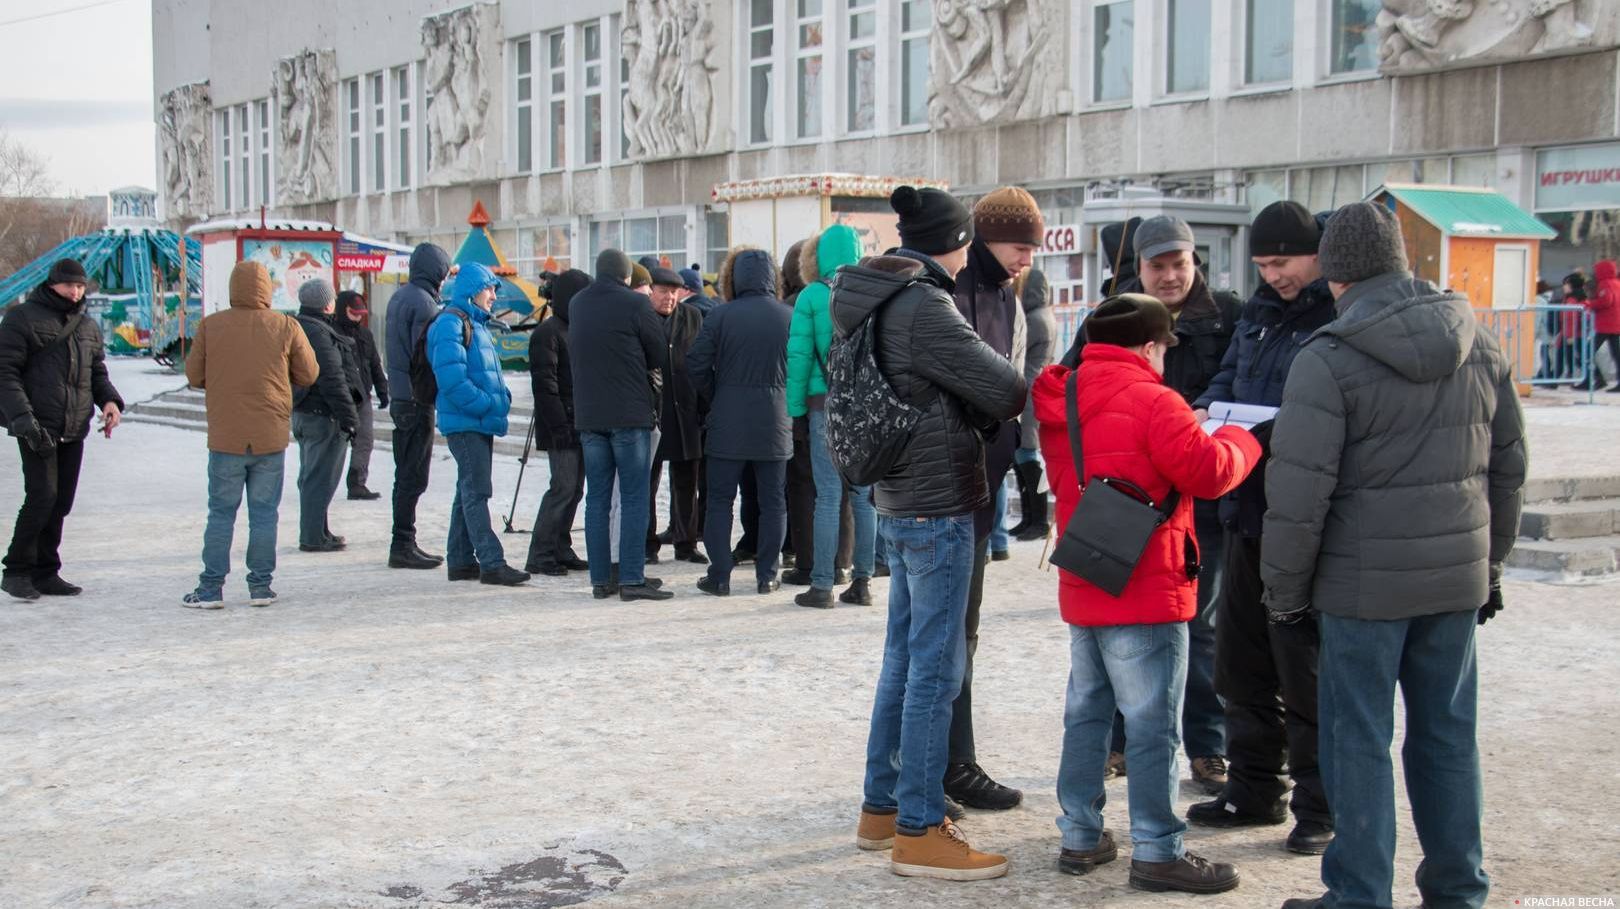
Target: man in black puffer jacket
(51,383)
(324,416)
(551,374)
(1266,673)
(410,310)
(936,363)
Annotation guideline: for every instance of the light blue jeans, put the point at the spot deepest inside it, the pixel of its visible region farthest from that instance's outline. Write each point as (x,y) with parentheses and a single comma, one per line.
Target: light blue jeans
(1141,669)
(472,541)
(829,498)
(998,527)
(924,656)
(228,475)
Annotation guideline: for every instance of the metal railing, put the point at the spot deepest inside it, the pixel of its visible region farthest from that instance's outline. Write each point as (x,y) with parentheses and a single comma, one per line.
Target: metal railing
(1068,325)
(1560,349)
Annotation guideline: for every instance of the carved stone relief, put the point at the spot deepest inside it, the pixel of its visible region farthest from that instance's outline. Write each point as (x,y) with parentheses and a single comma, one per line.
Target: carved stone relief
(459,73)
(995,61)
(306,137)
(669,108)
(184,116)
(1425,34)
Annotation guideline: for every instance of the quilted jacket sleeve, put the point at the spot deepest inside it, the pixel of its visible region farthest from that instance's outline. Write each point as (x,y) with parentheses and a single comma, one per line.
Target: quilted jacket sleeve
(1200,465)
(302,367)
(1306,444)
(197,357)
(801,350)
(1508,466)
(14,352)
(949,353)
(451,368)
(700,358)
(543,366)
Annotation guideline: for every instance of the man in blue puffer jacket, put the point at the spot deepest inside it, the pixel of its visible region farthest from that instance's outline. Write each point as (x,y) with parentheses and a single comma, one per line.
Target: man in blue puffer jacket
(473,402)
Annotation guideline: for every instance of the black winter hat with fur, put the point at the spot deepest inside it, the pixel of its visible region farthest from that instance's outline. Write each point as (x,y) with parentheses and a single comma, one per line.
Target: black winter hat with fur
(1130,320)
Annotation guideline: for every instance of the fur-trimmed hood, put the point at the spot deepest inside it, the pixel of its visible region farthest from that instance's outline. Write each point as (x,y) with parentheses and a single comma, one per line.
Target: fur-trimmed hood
(749,270)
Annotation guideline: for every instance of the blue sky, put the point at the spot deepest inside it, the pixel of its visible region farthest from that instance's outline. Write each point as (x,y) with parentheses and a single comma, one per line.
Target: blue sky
(76,86)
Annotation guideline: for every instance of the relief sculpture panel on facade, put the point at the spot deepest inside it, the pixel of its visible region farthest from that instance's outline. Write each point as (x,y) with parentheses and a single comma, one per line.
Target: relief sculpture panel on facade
(995,61)
(458,72)
(669,102)
(1426,34)
(306,137)
(187,148)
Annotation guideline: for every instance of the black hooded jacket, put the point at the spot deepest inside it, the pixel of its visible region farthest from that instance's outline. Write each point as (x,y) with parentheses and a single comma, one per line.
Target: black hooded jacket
(61,384)
(551,374)
(410,310)
(937,363)
(337,389)
(616,348)
(372,375)
(739,364)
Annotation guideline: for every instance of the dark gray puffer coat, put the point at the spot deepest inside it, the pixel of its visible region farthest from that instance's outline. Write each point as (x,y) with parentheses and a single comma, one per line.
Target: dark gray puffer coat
(938,364)
(1397,460)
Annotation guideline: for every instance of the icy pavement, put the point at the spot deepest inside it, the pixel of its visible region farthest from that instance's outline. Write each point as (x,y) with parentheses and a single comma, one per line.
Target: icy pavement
(388,740)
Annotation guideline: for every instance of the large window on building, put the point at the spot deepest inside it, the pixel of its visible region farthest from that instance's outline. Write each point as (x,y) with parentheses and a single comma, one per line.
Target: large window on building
(860,72)
(661,235)
(808,67)
(523,98)
(761,69)
(590,61)
(1268,47)
(351,116)
(262,112)
(224,117)
(557,93)
(1354,35)
(1187,39)
(1113,36)
(914,24)
(244,157)
(717,239)
(546,242)
(379,133)
(404,127)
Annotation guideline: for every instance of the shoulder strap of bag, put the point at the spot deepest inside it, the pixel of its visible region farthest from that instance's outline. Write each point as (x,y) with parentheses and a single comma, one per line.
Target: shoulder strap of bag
(70,329)
(1071,395)
(814,350)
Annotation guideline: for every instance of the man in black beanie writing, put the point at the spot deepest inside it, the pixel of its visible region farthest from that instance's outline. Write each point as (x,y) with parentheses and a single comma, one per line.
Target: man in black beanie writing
(53,379)
(935,362)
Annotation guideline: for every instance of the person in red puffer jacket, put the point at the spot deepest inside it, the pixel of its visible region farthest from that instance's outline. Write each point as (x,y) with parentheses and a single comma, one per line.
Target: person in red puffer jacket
(1605,307)
(1130,651)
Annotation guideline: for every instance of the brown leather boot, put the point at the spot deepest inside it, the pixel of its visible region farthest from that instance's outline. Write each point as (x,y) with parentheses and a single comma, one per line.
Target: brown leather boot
(876,830)
(942,852)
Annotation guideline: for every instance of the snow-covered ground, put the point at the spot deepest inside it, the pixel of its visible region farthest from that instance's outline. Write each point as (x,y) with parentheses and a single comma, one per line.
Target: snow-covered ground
(388,739)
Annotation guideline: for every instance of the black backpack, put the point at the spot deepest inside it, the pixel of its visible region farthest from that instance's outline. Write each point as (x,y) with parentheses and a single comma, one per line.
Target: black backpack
(868,426)
(424,384)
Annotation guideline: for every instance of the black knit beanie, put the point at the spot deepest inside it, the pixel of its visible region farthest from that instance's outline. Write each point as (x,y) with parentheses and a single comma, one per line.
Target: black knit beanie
(1362,240)
(612,265)
(932,221)
(67,271)
(1284,229)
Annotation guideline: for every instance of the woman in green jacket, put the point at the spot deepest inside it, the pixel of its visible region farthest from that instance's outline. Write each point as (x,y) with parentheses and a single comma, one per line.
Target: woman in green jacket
(810,336)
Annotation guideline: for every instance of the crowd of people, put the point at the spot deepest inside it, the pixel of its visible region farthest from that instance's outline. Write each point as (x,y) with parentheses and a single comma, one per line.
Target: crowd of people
(1562,333)
(1254,593)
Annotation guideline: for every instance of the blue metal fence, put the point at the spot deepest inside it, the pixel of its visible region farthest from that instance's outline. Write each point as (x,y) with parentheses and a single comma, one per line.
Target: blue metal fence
(1561,351)
(1068,325)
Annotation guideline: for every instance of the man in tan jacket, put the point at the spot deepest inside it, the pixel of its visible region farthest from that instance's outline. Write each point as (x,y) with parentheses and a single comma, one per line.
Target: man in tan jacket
(247,359)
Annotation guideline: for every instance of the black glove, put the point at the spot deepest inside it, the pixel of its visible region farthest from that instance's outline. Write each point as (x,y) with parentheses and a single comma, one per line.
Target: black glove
(33,435)
(348,429)
(382,399)
(1493,602)
(1262,434)
(1291,617)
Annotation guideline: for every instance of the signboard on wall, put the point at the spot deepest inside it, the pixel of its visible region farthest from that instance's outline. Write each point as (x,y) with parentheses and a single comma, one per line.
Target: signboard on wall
(1578,179)
(1061,240)
(290,263)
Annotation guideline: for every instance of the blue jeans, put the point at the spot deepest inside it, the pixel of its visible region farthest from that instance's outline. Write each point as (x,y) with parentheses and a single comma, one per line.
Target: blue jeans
(924,656)
(472,540)
(1026,456)
(998,524)
(829,498)
(321,448)
(1141,669)
(228,475)
(624,455)
(1432,659)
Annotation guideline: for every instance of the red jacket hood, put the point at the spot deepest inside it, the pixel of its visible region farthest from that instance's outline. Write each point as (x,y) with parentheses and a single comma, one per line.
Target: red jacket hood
(1604,302)
(1605,270)
(1134,427)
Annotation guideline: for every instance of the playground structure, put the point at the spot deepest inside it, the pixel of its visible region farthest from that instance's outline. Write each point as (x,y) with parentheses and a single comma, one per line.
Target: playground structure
(518,304)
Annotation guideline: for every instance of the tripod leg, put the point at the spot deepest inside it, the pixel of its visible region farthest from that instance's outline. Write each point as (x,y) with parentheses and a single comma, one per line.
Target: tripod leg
(523,464)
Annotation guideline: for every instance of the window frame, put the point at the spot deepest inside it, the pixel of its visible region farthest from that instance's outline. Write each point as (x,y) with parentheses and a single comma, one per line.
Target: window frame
(1327,35)
(376,89)
(354,177)
(244,153)
(222,118)
(1091,55)
(522,51)
(898,65)
(265,153)
(1243,26)
(403,129)
(771,63)
(559,53)
(586,92)
(799,53)
(1167,41)
(848,46)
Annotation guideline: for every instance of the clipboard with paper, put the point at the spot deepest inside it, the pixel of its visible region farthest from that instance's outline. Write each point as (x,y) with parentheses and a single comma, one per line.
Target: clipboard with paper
(1243,416)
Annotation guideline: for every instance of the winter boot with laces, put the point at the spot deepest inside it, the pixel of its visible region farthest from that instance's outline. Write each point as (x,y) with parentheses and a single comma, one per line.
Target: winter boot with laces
(1188,874)
(942,852)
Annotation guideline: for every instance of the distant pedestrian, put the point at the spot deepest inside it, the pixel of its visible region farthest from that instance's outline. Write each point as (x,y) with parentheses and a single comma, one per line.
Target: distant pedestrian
(739,365)
(551,545)
(410,310)
(472,406)
(1604,305)
(53,379)
(325,416)
(351,310)
(680,443)
(246,359)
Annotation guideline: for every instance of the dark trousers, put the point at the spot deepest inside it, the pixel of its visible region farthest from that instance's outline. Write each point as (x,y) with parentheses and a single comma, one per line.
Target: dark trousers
(725,479)
(684,526)
(413,455)
(1267,674)
(49,484)
(1613,342)
(321,446)
(553,537)
(962,749)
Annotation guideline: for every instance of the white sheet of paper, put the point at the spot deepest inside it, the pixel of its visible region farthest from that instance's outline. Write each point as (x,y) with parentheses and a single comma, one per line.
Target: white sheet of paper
(1244,416)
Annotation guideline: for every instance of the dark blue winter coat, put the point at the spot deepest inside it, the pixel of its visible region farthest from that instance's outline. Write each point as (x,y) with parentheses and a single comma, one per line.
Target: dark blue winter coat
(739,364)
(1270,332)
(472,395)
(410,310)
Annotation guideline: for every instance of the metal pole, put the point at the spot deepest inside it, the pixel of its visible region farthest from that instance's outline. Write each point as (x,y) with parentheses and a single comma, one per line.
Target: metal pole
(523,463)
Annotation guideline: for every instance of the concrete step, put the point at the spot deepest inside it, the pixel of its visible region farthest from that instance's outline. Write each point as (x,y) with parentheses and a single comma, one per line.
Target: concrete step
(1569,489)
(1591,557)
(1582,518)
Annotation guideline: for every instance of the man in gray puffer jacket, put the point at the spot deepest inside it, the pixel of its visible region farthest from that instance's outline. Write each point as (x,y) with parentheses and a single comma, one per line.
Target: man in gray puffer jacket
(1394,491)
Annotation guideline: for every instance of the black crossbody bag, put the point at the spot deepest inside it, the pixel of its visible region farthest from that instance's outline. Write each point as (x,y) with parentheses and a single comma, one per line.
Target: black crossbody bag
(1111,526)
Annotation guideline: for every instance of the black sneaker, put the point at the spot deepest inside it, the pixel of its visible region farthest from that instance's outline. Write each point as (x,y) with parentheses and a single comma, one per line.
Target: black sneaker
(690,555)
(327,545)
(970,785)
(1309,838)
(713,587)
(428,556)
(574,563)
(815,598)
(644,592)
(859,593)
(603,591)
(503,576)
(1188,874)
(462,573)
(362,494)
(1221,813)
(20,586)
(54,586)
(1085,861)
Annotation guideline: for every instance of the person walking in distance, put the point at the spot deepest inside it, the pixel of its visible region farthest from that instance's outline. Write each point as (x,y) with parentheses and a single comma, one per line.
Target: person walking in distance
(410,310)
(472,406)
(1394,494)
(247,359)
(351,310)
(324,417)
(53,379)
(933,361)
(551,545)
